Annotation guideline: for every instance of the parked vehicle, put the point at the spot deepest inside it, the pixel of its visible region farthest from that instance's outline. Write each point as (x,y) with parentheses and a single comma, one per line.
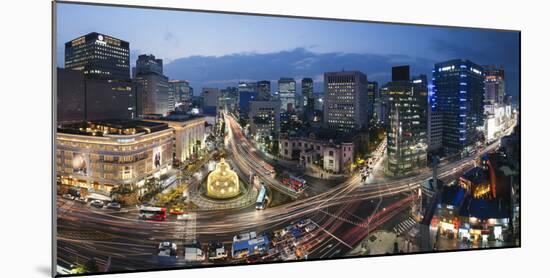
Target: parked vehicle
(217,251)
(68,196)
(97,203)
(168,249)
(310,228)
(193,253)
(114,205)
(80,200)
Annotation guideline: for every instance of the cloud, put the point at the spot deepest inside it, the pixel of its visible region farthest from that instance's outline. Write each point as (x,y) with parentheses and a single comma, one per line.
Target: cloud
(170,38)
(223,71)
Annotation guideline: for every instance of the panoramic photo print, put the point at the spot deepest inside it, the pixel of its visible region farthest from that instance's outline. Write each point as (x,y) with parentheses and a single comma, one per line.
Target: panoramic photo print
(191,139)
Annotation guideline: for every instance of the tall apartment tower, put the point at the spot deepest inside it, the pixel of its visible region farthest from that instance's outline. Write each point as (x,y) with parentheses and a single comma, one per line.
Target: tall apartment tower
(345,100)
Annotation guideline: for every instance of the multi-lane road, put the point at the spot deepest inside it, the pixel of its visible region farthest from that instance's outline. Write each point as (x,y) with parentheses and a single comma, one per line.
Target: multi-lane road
(344,213)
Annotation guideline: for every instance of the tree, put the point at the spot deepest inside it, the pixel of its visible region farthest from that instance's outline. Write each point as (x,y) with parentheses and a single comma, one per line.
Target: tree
(89,266)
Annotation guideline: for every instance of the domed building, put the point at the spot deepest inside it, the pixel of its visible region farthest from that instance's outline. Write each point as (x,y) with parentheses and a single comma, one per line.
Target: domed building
(222,183)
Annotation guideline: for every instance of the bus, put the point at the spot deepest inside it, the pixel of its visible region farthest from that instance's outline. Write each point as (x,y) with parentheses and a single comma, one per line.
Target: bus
(152,213)
(261,200)
(295,183)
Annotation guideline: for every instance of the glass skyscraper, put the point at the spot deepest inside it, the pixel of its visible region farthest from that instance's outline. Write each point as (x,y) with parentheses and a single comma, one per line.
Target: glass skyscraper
(458,96)
(287,93)
(407,134)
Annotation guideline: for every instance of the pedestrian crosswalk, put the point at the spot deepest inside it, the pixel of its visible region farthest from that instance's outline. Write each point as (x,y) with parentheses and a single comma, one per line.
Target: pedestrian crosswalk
(404,226)
(332,211)
(190,235)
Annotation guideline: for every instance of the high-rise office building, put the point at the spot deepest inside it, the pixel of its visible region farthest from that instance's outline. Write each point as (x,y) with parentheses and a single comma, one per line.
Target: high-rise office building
(229,98)
(372,92)
(99,56)
(307,96)
(381,104)
(210,100)
(407,134)
(345,100)
(494,84)
(435,129)
(264,89)
(148,64)
(87,99)
(180,91)
(247,91)
(400,73)
(287,93)
(154,96)
(265,118)
(458,90)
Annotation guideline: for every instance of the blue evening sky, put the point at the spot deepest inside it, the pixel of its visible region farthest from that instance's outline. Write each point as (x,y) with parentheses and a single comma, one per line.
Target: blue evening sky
(212,49)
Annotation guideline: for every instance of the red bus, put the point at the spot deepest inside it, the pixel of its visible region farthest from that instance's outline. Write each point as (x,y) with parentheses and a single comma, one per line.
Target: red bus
(152,213)
(295,183)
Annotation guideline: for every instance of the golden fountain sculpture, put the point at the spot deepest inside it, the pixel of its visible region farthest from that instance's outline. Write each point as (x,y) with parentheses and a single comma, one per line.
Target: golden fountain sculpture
(222,183)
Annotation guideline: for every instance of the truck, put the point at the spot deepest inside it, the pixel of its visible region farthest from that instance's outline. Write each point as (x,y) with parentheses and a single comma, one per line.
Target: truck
(193,253)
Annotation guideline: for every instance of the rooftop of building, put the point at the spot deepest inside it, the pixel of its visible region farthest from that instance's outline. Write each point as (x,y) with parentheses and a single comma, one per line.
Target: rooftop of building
(485,208)
(452,195)
(96,35)
(323,134)
(101,128)
(174,116)
(475,175)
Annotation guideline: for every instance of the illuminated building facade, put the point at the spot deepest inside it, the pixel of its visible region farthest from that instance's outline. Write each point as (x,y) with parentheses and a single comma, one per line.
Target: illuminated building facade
(494,84)
(324,149)
(102,155)
(99,56)
(265,118)
(407,134)
(189,135)
(345,100)
(222,182)
(458,89)
(476,182)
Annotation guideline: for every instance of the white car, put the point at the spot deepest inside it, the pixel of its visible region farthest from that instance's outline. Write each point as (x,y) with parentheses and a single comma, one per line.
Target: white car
(310,228)
(303,222)
(68,196)
(97,203)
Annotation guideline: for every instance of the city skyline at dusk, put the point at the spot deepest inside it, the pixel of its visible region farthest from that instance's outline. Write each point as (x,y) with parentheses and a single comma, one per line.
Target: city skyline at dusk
(208,54)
